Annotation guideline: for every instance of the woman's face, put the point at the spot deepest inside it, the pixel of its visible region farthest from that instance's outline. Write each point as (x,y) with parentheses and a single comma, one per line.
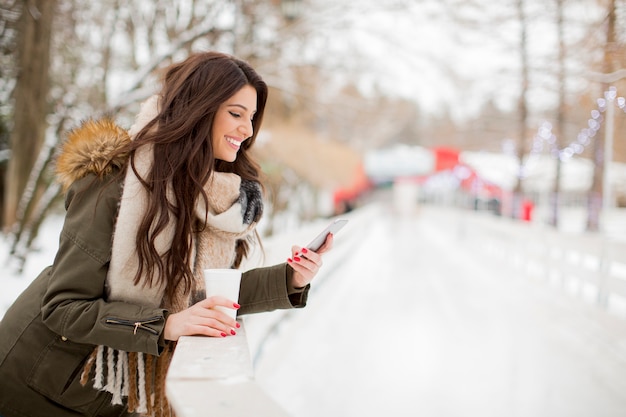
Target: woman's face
(233,123)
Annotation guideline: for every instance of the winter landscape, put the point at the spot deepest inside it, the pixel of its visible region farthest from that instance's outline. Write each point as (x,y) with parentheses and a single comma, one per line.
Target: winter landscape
(409,318)
(435,302)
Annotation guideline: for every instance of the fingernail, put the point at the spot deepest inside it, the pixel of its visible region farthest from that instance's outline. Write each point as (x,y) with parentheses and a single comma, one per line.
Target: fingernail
(236,305)
(297,259)
(289,260)
(233,332)
(304,250)
(223,334)
(238,325)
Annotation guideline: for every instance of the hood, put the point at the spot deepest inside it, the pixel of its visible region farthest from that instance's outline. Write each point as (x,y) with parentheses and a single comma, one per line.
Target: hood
(89,149)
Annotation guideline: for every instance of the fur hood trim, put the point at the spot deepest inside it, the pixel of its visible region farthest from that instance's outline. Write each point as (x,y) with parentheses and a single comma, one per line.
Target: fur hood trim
(89,149)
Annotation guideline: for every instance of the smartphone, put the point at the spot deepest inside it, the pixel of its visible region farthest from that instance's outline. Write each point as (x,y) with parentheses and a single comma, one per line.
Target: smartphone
(333,228)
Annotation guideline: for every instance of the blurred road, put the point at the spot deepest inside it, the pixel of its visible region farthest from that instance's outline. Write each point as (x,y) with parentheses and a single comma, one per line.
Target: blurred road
(410,323)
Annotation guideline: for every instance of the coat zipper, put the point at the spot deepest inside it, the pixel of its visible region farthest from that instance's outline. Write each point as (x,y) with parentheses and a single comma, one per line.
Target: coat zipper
(135,324)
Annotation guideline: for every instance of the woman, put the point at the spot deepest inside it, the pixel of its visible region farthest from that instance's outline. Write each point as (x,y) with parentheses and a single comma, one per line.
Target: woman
(147,211)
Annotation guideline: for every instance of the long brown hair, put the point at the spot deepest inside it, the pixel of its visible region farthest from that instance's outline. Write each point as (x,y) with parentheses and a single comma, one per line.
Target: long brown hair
(192,92)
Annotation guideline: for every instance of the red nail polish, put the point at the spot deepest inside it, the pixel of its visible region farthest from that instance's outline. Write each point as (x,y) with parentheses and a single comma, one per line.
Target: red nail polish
(236,305)
(289,260)
(238,325)
(304,250)
(223,334)
(297,259)
(233,332)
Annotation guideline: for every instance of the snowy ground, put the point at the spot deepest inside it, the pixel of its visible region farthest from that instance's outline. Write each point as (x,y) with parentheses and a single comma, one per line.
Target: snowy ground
(405,320)
(12,283)
(411,323)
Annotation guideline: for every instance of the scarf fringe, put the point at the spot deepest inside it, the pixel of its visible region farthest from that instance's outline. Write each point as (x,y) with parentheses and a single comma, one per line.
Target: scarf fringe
(138,376)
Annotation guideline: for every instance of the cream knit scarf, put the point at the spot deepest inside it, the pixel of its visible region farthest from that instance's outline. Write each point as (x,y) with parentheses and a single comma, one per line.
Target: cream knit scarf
(234,208)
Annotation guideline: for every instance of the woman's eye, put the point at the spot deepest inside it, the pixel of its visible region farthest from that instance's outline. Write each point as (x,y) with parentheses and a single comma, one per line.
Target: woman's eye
(235,115)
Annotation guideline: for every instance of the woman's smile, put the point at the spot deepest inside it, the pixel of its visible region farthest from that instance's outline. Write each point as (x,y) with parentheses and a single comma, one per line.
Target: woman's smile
(236,143)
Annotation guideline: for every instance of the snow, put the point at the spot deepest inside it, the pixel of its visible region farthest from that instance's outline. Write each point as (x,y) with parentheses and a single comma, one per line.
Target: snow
(413,322)
(13,281)
(407,318)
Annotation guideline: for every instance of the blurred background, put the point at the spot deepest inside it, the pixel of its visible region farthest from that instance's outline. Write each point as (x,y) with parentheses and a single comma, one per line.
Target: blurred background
(479,148)
(515,107)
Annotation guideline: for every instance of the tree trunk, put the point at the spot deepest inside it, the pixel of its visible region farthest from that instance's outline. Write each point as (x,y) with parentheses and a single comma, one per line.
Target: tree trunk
(522,107)
(596,193)
(31,92)
(560,117)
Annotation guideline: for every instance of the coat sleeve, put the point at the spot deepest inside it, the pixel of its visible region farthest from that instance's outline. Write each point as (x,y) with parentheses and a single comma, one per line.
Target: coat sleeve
(265,289)
(75,305)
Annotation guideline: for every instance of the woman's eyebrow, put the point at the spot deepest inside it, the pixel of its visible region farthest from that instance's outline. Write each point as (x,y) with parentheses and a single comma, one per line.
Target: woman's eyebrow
(241,106)
(238,105)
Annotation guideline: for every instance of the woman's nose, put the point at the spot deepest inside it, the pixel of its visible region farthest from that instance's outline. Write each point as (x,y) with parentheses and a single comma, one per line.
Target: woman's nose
(247,129)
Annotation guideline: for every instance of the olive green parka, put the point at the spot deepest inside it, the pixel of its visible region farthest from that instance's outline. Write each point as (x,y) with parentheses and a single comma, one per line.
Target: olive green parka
(52,327)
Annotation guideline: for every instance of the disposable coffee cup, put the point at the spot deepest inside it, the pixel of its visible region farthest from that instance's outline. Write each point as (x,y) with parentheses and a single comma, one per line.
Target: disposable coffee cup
(223,282)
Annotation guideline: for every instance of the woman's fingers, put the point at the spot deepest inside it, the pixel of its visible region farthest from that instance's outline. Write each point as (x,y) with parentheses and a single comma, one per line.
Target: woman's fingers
(212,329)
(328,244)
(204,318)
(306,263)
(217,307)
(215,301)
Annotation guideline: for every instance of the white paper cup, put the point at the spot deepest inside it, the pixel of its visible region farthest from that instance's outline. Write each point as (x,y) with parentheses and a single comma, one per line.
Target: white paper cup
(223,282)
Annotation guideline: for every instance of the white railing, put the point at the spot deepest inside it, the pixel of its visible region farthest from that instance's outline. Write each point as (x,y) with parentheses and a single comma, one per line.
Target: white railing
(215,376)
(590,266)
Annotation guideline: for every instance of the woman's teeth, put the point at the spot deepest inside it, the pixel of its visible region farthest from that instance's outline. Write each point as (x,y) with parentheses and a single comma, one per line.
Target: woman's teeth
(233,141)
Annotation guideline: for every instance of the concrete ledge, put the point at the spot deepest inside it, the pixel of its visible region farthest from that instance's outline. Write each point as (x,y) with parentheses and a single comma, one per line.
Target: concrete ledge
(214,376)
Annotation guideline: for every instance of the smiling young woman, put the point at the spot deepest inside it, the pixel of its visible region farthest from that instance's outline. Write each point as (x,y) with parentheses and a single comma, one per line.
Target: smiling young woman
(147,210)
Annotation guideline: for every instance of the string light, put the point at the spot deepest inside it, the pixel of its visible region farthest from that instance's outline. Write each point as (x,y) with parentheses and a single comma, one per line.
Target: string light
(545,138)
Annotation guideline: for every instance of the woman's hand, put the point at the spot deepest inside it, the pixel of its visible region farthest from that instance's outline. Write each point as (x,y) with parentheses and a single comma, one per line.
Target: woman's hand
(202,319)
(306,263)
